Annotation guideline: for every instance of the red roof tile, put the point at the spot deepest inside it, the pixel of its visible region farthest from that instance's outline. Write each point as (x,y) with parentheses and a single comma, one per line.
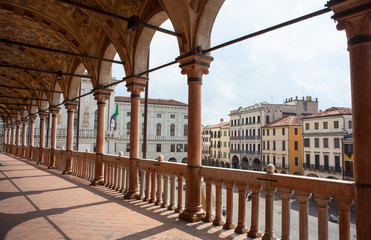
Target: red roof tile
(287,121)
(331,112)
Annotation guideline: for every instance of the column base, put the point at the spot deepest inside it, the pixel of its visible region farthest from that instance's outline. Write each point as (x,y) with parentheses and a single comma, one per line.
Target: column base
(140,197)
(131,195)
(254,234)
(208,218)
(192,216)
(229,225)
(171,207)
(158,202)
(241,229)
(67,172)
(218,222)
(51,167)
(269,237)
(179,210)
(164,205)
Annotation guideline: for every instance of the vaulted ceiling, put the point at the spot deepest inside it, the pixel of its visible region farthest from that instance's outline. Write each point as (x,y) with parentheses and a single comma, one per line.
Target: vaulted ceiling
(30,76)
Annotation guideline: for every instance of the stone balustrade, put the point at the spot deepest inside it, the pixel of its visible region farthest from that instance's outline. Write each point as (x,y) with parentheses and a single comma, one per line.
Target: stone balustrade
(162,183)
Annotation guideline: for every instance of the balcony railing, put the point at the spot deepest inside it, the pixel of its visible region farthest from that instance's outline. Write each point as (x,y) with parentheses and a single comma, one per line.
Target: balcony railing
(162,183)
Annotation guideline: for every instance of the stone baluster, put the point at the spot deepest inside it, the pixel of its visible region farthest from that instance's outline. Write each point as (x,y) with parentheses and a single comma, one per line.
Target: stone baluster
(344,218)
(172,192)
(241,226)
(269,207)
(179,208)
(218,221)
(159,188)
(285,217)
(165,199)
(209,206)
(153,187)
(229,218)
(147,197)
(303,214)
(322,204)
(254,228)
(141,179)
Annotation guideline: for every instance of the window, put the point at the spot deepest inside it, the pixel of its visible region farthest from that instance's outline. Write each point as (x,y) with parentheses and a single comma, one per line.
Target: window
(172,147)
(348,148)
(263,132)
(172,116)
(283,162)
(267,159)
(296,145)
(185,130)
(325,125)
(283,146)
(296,161)
(274,160)
(95,119)
(305,106)
(263,146)
(179,147)
(326,162)
(316,125)
(283,131)
(296,131)
(306,142)
(158,147)
(274,145)
(158,129)
(185,147)
(267,132)
(337,164)
(336,124)
(242,121)
(128,128)
(274,132)
(336,143)
(325,142)
(263,159)
(317,161)
(75,120)
(128,114)
(224,144)
(267,145)
(350,124)
(158,115)
(258,119)
(253,119)
(266,119)
(307,126)
(185,116)
(225,133)
(128,147)
(143,129)
(172,130)
(316,142)
(307,158)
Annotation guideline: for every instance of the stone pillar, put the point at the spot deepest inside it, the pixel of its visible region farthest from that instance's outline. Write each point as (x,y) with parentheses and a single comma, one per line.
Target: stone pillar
(12,141)
(54,111)
(354,18)
(42,116)
(195,65)
(254,228)
(71,107)
(32,118)
(322,203)
(24,132)
(241,226)
(101,96)
(209,205)
(269,230)
(135,85)
(303,214)
(218,221)
(344,218)
(18,137)
(172,205)
(229,216)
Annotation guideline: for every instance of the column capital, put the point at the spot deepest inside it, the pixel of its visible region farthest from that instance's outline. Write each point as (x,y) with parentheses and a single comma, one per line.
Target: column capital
(322,200)
(32,117)
(285,193)
(18,123)
(24,120)
(70,105)
(136,85)
(43,115)
(195,64)
(101,95)
(303,197)
(354,18)
(54,110)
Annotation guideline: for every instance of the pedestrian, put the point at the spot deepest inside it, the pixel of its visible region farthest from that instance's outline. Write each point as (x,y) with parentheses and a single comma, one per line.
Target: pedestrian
(224,211)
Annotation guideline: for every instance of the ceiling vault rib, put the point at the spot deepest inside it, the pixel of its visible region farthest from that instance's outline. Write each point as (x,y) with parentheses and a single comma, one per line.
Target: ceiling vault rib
(58,51)
(58,73)
(31,89)
(132,20)
(18,104)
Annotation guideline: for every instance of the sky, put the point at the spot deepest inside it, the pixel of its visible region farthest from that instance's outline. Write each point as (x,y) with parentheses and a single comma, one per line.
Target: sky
(305,59)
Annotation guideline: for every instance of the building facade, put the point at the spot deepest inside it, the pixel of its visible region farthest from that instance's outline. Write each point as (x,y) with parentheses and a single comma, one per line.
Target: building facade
(348,157)
(246,124)
(282,145)
(323,134)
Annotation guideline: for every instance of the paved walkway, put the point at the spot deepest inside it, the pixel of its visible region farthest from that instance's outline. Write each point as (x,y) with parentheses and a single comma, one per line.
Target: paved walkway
(37,203)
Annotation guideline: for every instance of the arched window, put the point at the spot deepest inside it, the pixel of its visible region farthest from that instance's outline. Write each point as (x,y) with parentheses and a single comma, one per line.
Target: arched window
(158,129)
(95,119)
(172,129)
(185,130)
(128,128)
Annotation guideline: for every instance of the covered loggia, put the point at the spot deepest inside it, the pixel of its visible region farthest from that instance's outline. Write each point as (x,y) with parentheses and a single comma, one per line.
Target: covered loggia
(46,47)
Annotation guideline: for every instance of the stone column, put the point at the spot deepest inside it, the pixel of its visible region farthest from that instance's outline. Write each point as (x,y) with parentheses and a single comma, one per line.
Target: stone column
(195,65)
(229,216)
(42,116)
(54,111)
(303,214)
(254,228)
(32,118)
(101,96)
(12,141)
(18,137)
(269,230)
(135,85)
(24,132)
(218,221)
(71,107)
(344,218)
(209,205)
(354,18)
(241,226)
(285,217)
(172,205)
